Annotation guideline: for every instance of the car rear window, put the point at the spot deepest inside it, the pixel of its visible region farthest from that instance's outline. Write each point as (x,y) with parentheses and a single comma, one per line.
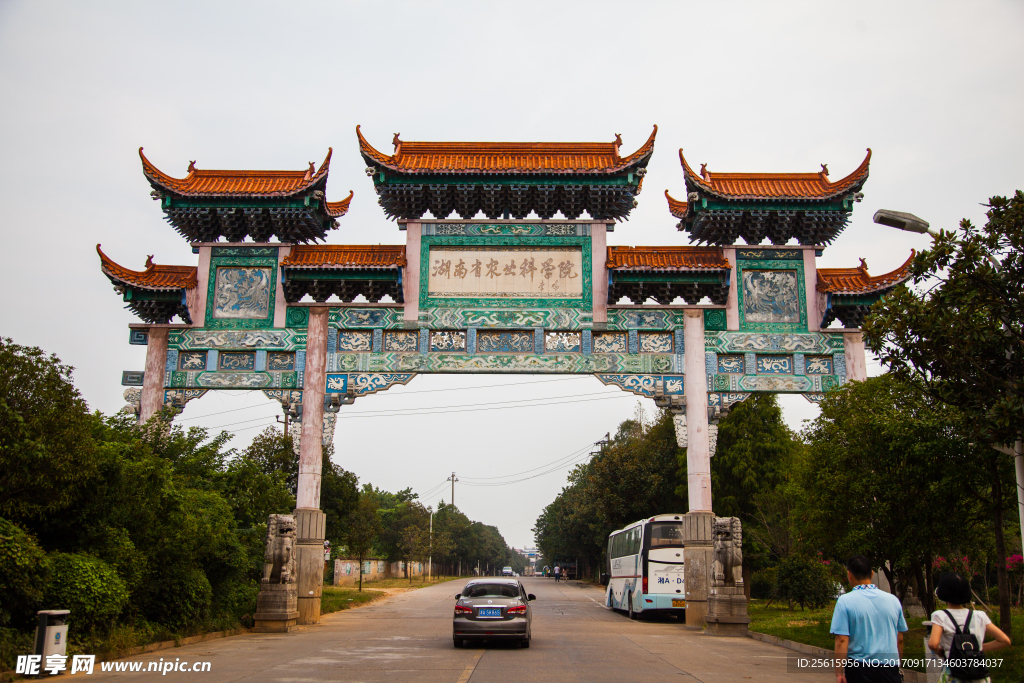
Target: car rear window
(491,590)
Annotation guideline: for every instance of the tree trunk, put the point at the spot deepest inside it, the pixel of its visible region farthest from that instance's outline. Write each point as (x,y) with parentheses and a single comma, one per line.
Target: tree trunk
(922,588)
(360,573)
(929,577)
(1001,573)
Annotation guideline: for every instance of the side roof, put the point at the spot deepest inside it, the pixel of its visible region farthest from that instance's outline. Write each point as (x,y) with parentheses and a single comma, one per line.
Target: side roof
(511,158)
(807,186)
(223,183)
(859,281)
(667,258)
(154,277)
(346,256)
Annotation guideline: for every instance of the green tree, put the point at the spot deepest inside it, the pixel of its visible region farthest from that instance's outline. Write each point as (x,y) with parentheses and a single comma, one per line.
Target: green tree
(361,529)
(887,470)
(46,453)
(961,337)
(754,454)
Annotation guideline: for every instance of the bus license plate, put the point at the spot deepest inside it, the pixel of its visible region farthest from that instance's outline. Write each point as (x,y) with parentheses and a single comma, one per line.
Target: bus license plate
(678,603)
(493,611)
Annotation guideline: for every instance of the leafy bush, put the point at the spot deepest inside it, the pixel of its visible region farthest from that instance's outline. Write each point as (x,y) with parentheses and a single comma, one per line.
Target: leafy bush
(804,580)
(23,568)
(762,584)
(87,586)
(180,598)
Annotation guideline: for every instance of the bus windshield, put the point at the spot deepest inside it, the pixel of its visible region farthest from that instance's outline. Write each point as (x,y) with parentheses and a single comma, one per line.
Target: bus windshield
(666,534)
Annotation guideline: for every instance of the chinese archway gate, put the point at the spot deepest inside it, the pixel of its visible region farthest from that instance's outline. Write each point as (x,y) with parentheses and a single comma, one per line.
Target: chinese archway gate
(499,294)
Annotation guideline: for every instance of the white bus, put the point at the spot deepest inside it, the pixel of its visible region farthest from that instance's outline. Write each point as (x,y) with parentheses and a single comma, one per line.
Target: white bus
(645,561)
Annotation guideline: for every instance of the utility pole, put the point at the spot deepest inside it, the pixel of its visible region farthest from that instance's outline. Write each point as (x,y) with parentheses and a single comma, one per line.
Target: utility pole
(430,562)
(453,479)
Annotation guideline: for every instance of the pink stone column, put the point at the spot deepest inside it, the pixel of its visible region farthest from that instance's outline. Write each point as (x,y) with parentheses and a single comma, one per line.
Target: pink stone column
(811,287)
(156,368)
(698,451)
(599,258)
(313,388)
(732,309)
(856,360)
(411,273)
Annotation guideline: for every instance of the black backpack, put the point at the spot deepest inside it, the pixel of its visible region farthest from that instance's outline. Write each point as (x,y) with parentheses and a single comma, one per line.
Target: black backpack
(966,659)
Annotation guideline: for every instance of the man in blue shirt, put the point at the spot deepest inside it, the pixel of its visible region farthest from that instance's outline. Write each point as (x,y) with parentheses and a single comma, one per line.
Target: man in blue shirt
(868,625)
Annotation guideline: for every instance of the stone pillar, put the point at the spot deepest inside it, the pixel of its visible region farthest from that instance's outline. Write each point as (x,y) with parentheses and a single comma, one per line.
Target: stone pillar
(599,256)
(697,524)
(309,554)
(698,556)
(310,522)
(313,389)
(856,360)
(411,273)
(156,367)
(698,453)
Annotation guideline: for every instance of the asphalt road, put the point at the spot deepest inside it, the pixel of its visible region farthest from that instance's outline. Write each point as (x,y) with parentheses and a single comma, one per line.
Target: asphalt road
(408,638)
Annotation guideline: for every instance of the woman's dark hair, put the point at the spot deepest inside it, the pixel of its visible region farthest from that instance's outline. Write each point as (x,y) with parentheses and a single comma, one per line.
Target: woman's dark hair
(954,589)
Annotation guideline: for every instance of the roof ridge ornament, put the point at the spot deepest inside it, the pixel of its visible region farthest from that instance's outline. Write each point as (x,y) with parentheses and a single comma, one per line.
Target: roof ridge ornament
(191,165)
(396,142)
(824,170)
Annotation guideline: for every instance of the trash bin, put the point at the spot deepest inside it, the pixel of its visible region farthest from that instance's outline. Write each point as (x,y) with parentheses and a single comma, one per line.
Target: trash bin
(52,632)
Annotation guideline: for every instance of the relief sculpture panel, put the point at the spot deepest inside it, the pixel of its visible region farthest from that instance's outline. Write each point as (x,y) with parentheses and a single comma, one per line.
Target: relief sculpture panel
(242,293)
(770,296)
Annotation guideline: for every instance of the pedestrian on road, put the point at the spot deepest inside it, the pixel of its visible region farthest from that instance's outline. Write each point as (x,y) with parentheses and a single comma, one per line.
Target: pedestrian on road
(955,591)
(558,572)
(868,625)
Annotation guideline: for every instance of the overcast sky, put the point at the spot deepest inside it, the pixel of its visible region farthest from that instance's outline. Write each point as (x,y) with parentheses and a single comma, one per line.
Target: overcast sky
(934,88)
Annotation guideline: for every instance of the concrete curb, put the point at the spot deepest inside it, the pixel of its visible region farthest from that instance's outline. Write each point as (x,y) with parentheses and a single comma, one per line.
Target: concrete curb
(909,676)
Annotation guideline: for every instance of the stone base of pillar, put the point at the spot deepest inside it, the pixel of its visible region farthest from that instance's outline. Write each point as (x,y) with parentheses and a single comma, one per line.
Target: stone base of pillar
(727,611)
(309,558)
(698,556)
(276,608)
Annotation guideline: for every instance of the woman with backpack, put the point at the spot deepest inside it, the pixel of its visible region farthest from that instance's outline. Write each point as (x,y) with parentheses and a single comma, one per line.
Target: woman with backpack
(958,633)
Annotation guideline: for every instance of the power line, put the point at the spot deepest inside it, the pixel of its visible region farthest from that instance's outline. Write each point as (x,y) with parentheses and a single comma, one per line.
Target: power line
(405,393)
(465,407)
(504,476)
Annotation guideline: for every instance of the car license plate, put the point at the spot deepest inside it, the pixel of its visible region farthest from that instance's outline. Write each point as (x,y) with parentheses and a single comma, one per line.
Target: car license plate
(678,603)
(490,611)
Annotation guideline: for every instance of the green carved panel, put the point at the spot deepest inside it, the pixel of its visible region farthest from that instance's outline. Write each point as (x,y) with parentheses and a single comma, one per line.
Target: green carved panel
(715,320)
(241,292)
(297,317)
(768,289)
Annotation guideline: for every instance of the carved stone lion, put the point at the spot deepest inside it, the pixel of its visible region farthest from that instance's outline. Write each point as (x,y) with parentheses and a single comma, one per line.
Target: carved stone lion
(279,560)
(728,545)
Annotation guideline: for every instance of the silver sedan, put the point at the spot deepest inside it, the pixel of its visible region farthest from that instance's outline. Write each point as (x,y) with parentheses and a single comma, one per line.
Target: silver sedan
(493,609)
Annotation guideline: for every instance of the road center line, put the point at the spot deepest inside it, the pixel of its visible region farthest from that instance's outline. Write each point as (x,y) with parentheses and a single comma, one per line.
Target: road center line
(468,672)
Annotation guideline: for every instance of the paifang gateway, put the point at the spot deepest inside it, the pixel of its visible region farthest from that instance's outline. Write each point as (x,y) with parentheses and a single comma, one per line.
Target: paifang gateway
(482,288)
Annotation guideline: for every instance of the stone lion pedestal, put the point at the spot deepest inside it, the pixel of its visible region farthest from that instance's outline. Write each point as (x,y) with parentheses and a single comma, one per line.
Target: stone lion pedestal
(277,604)
(727,602)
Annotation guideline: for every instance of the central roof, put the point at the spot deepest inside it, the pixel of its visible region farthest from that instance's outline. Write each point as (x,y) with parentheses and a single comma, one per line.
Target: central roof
(486,158)
(506,179)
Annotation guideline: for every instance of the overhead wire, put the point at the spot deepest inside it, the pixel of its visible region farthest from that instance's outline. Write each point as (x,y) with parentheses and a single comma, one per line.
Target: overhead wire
(404,393)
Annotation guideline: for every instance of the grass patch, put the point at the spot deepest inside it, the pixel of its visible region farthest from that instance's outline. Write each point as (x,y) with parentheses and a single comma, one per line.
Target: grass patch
(337,598)
(811,627)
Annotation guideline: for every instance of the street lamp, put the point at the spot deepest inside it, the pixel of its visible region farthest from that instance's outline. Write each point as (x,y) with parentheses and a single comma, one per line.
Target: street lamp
(911,223)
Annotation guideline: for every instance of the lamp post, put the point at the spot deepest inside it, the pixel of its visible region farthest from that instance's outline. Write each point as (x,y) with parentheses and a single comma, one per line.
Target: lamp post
(911,223)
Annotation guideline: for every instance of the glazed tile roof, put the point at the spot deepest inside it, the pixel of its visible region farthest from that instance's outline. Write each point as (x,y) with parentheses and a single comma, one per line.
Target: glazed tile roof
(496,158)
(339,209)
(204,183)
(154,277)
(859,281)
(346,256)
(667,258)
(807,186)
(675,207)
